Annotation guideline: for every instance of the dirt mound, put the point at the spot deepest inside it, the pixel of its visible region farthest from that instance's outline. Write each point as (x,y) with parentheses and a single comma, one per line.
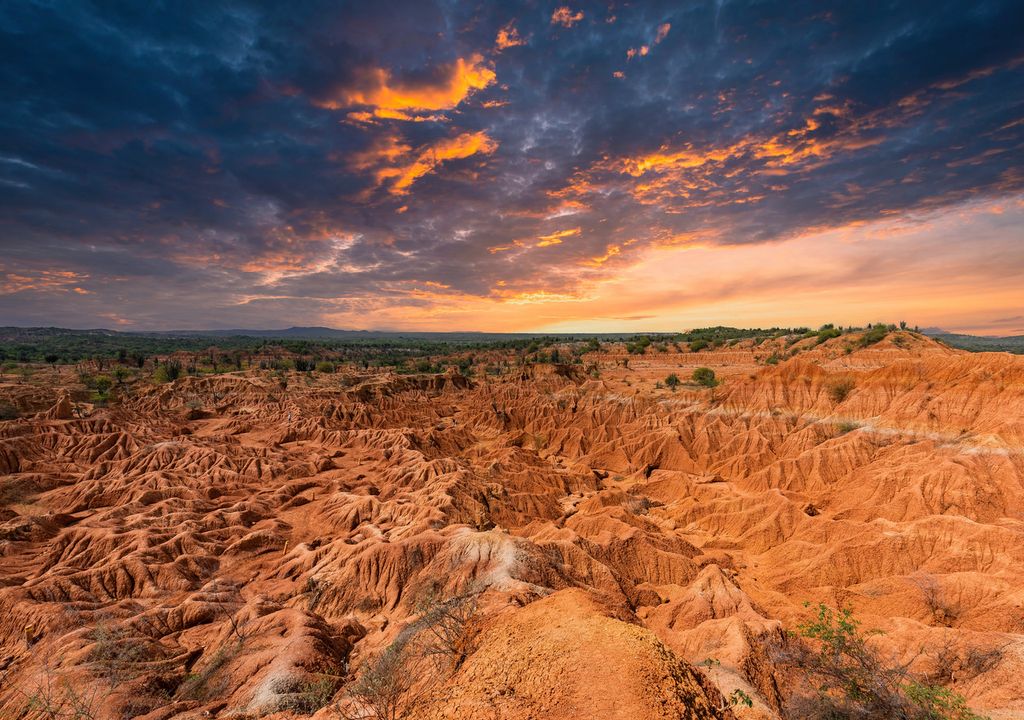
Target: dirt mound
(566,656)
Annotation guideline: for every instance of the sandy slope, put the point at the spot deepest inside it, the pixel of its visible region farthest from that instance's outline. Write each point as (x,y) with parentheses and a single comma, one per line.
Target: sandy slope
(246,542)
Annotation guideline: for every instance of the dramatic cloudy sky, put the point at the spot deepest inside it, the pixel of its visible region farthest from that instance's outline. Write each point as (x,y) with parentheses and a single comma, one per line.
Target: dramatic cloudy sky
(511,166)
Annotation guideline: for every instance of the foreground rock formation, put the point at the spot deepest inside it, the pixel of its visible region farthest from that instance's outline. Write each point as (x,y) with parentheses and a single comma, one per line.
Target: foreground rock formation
(546,543)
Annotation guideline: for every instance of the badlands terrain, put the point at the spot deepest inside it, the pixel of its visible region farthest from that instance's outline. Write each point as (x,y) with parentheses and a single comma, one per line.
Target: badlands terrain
(514,539)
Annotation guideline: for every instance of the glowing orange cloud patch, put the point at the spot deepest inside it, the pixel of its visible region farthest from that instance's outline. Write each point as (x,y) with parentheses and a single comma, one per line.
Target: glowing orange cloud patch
(395,98)
(456,148)
(610,252)
(565,17)
(662,32)
(508,37)
(45,280)
(685,158)
(386,149)
(555,238)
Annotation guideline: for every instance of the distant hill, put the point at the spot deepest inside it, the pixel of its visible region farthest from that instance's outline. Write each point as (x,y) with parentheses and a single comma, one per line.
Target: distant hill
(978,343)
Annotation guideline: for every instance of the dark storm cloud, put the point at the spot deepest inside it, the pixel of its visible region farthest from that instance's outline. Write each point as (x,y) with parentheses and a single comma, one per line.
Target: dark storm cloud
(255,163)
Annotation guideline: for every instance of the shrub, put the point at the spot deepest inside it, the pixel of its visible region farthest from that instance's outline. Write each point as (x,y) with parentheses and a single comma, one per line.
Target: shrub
(840,676)
(672,382)
(325,367)
(53,698)
(383,690)
(446,629)
(117,654)
(874,335)
(168,371)
(312,694)
(8,412)
(698,345)
(942,609)
(704,376)
(827,333)
(846,426)
(839,389)
(639,345)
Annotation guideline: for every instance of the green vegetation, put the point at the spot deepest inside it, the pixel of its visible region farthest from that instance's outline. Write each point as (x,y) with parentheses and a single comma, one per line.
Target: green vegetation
(704,376)
(827,332)
(168,371)
(976,343)
(638,345)
(840,676)
(846,426)
(875,333)
(672,382)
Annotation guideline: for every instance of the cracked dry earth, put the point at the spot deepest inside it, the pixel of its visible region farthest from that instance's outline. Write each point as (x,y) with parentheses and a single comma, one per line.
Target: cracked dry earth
(230,560)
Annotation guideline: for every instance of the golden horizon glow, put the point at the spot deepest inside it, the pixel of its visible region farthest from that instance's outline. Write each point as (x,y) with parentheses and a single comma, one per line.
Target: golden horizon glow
(807,280)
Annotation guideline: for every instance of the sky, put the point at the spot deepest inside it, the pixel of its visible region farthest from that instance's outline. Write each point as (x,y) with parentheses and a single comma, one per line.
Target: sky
(503,166)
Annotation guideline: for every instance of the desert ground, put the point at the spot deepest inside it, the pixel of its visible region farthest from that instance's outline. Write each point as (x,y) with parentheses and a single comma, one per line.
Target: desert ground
(513,540)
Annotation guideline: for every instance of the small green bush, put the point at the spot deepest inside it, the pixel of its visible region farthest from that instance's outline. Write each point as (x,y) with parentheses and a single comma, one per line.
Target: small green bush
(672,382)
(874,335)
(840,676)
(704,376)
(168,371)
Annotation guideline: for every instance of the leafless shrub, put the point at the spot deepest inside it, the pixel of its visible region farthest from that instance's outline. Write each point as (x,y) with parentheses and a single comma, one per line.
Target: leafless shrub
(117,653)
(311,694)
(942,609)
(445,629)
(57,699)
(952,662)
(384,689)
(391,684)
(314,591)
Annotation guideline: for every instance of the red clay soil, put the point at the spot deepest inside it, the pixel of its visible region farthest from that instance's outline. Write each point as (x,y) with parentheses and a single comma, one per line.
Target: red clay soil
(224,547)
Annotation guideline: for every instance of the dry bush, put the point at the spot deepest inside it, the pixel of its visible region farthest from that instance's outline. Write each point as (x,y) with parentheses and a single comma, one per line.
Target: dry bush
(57,699)
(943,610)
(312,694)
(952,662)
(445,629)
(384,688)
(390,685)
(840,388)
(117,653)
